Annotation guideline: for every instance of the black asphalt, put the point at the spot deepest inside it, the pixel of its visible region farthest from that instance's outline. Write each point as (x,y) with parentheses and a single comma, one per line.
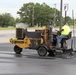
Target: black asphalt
(29,63)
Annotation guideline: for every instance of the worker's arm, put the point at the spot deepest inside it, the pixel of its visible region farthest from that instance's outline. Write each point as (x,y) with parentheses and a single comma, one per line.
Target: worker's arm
(62,30)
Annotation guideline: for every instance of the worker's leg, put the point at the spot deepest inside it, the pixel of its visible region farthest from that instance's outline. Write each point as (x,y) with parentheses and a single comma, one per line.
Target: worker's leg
(59,38)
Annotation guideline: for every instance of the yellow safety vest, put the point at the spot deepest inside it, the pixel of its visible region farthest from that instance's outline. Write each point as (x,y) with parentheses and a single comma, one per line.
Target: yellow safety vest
(66,30)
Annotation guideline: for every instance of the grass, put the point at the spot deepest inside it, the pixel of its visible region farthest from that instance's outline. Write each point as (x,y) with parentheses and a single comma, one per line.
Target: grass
(7,28)
(29,28)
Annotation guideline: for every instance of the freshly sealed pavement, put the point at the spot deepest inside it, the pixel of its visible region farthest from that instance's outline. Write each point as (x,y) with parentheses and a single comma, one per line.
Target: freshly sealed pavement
(29,63)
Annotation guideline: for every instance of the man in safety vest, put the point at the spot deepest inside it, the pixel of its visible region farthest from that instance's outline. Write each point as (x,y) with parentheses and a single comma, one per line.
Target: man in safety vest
(65,31)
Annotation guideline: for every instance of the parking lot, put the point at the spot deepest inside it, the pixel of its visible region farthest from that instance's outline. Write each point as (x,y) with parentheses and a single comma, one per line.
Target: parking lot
(29,63)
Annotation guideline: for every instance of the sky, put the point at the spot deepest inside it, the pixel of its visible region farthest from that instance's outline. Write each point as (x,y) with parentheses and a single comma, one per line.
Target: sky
(12,6)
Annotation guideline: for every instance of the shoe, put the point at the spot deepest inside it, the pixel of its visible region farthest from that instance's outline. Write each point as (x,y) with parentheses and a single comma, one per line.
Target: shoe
(57,47)
(51,47)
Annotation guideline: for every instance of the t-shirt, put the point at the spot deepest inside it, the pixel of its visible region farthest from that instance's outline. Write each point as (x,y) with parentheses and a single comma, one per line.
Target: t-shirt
(66,30)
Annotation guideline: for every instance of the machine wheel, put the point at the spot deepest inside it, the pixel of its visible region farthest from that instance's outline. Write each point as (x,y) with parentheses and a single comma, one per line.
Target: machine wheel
(42,51)
(17,49)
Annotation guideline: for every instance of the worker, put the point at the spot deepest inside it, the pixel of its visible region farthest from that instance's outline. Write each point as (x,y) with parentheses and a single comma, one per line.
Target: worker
(65,31)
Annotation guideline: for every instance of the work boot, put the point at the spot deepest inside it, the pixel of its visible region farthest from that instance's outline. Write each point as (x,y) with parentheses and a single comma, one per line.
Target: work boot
(51,47)
(57,47)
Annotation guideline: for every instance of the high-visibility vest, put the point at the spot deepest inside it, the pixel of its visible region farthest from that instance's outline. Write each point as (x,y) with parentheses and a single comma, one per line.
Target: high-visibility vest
(66,30)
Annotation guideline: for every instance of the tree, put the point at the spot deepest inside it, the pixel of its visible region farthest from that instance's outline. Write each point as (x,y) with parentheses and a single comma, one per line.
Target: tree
(42,13)
(26,13)
(18,20)
(6,20)
(1,20)
(69,20)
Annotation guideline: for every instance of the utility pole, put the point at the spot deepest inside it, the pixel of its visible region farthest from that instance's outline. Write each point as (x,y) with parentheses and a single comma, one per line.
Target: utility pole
(61,14)
(73,27)
(33,16)
(54,14)
(65,9)
(65,15)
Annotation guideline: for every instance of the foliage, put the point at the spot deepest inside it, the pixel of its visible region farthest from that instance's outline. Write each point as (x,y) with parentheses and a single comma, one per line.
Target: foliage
(6,20)
(42,13)
(34,14)
(69,20)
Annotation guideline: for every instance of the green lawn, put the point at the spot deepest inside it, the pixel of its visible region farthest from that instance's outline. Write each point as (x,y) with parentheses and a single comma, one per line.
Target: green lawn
(7,28)
(29,28)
